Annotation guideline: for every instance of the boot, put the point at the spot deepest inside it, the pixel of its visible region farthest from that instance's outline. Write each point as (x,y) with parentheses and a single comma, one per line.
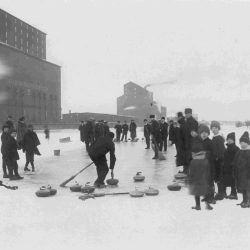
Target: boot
(18,177)
(208,206)
(197,203)
(155,158)
(5,175)
(219,196)
(233,196)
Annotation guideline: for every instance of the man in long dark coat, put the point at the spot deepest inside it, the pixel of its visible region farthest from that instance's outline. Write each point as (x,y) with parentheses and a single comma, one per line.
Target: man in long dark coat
(156,135)
(105,127)
(164,134)
(124,131)
(81,128)
(132,129)
(118,130)
(147,132)
(97,153)
(179,139)
(5,136)
(191,126)
(98,130)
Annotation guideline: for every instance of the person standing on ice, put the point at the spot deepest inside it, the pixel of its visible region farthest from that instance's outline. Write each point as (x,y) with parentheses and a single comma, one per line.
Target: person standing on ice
(191,126)
(147,132)
(12,156)
(200,167)
(156,136)
(46,132)
(218,159)
(97,153)
(124,131)
(98,130)
(30,143)
(171,132)
(132,129)
(5,136)
(81,128)
(228,173)
(242,170)
(118,131)
(89,138)
(164,134)
(21,130)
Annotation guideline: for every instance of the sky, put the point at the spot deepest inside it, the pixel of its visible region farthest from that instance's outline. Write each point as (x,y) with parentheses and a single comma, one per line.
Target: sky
(101,45)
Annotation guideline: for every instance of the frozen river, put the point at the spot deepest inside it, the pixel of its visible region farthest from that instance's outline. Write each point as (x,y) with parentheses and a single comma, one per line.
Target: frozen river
(65,222)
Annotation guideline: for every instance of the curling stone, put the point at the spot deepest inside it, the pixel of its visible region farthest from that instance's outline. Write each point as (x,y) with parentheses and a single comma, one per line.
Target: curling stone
(180,176)
(87,188)
(53,191)
(139,177)
(174,187)
(76,187)
(151,191)
(136,193)
(43,192)
(112,182)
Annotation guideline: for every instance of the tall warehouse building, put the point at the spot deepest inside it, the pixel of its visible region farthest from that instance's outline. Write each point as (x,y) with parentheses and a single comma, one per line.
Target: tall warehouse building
(138,102)
(30,86)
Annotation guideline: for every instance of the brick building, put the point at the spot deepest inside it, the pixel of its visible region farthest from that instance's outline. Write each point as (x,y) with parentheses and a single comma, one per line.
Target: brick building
(30,86)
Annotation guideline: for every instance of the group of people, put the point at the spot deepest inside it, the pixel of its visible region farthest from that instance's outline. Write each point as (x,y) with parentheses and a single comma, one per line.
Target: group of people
(22,137)
(122,131)
(213,163)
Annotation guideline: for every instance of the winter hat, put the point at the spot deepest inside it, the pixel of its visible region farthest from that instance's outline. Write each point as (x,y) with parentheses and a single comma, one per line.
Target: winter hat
(231,136)
(245,137)
(215,124)
(152,116)
(179,114)
(5,126)
(203,128)
(163,118)
(188,111)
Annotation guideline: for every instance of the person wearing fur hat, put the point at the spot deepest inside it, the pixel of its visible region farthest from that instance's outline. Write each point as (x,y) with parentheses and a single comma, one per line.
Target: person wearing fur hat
(218,158)
(190,131)
(200,167)
(241,164)
(156,136)
(228,174)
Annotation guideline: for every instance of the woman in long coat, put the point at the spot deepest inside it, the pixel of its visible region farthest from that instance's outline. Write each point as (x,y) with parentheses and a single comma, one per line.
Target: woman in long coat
(200,167)
(21,130)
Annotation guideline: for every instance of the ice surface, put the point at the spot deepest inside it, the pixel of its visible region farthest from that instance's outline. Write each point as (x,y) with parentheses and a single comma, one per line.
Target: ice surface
(113,222)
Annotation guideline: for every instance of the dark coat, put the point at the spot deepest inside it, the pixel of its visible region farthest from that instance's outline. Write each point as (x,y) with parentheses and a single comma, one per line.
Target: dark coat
(218,157)
(125,128)
(82,132)
(147,130)
(4,139)
(30,142)
(155,131)
(164,130)
(228,170)
(89,131)
(101,147)
(241,164)
(21,130)
(105,129)
(11,150)
(171,133)
(132,127)
(118,128)
(98,130)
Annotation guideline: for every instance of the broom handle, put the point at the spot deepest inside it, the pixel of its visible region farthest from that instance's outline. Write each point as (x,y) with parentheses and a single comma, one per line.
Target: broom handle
(74,176)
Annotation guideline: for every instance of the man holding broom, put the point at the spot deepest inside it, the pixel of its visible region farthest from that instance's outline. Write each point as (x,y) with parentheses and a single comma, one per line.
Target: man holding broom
(97,153)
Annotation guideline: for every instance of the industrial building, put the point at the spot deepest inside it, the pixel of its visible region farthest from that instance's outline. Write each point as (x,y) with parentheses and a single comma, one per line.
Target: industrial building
(30,86)
(138,102)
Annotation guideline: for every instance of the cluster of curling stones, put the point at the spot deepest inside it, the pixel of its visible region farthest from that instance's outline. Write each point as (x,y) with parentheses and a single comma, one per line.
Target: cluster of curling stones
(180,177)
(46,191)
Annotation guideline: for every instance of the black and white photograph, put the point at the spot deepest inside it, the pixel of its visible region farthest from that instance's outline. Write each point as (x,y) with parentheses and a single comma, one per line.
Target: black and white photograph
(125,124)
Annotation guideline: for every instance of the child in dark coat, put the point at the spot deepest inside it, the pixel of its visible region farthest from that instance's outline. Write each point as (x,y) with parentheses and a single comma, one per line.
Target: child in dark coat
(242,169)
(200,167)
(218,158)
(228,173)
(12,156)
(30,143)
